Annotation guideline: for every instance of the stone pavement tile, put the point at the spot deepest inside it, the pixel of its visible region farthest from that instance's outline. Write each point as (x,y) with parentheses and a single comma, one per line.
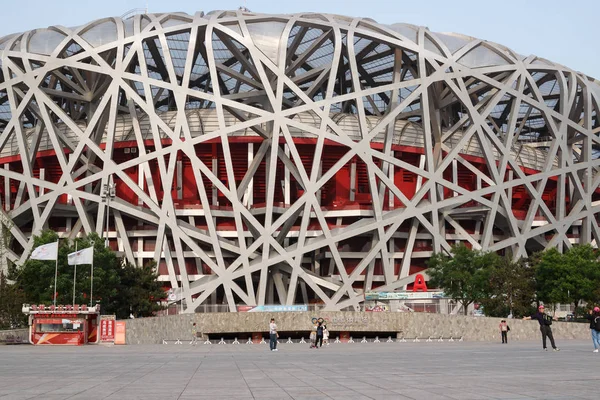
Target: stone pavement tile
(303,391)
(356,397)
(215,398)
(217,391)
(65,392)
(376,392)
(53,397)
(421,394)
(262,383)
(92,396)
(329,387)
(288,382)
(17,396)
(459,394)
(309,397)
(360,387)
(138,397)
(270,393)
(347,395)
(388,397)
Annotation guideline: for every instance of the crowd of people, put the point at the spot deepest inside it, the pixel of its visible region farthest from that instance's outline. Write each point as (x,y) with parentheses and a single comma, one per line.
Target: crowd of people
(319,335)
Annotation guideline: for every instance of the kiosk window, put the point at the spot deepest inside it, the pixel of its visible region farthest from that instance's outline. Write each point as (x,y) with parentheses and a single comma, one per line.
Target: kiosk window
(58,325)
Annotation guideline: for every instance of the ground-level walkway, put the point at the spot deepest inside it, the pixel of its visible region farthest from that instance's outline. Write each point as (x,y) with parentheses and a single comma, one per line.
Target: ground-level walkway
(425,370)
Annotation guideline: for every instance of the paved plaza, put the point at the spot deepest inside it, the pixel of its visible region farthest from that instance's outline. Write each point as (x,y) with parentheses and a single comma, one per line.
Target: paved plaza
(467,370)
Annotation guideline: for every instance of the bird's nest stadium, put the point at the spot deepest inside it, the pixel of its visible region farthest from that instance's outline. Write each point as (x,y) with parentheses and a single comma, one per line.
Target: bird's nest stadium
(291,159)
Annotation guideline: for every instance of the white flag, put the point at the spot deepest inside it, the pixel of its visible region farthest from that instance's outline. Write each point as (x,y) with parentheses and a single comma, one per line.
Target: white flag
(45,252)
(83,256)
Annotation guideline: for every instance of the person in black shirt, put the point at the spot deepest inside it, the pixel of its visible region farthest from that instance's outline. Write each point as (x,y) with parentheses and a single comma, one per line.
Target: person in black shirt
(595,313)
(319,341)
(545,321)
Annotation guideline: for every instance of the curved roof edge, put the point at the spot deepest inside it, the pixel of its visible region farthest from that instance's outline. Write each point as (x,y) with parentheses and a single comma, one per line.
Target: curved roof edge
(104,30)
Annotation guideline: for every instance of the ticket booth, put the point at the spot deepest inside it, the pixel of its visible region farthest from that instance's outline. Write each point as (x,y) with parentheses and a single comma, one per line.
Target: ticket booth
(62,325)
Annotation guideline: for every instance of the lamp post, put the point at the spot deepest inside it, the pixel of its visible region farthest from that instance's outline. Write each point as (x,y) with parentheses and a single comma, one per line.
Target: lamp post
(108,193)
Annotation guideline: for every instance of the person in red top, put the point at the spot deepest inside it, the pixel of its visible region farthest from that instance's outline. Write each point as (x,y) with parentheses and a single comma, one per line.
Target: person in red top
(504,331)
(545,321)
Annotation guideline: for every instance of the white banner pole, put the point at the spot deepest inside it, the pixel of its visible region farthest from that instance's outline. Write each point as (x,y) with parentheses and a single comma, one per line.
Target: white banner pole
(74,277)
(55,274)
(92,283)
(74,280)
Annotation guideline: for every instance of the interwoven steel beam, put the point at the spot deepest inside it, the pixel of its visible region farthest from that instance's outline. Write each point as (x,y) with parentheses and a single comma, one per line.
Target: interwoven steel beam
(284,159)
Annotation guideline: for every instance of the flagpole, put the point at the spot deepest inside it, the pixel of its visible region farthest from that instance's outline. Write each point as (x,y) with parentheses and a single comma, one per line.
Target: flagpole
(74,277)
(55,273)
(92,283)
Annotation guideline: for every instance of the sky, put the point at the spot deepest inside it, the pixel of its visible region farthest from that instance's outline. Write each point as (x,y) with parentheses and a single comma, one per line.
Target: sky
(565,32)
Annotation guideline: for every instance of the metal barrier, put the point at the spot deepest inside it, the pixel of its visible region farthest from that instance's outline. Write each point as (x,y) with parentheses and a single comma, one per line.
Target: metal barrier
(364,340)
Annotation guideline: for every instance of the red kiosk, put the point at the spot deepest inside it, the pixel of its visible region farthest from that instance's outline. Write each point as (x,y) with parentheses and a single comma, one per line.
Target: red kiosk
(62,325)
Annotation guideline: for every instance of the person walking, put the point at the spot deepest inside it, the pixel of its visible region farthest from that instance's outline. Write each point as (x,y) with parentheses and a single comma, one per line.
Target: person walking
(545,321)
(594,318)
(273,335)
(504,328)
(319,341)
(194,334)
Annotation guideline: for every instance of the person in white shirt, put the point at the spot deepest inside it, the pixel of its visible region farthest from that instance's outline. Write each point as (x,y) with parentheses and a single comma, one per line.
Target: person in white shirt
(325,335)
(273,335)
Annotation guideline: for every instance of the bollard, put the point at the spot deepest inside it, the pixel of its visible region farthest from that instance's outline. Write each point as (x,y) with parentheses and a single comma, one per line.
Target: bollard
(451,339)
(376,340)
(164,341)
(262,340)
(207,341)
(461,339)
(222,341)
(178,342)
(364,340)
(389,340)
(350,340)
(402,340)
(441,339)
(302,341)
(249,341)
(429,339)
(337,340)
(235,341)
(416,340)
(290,340)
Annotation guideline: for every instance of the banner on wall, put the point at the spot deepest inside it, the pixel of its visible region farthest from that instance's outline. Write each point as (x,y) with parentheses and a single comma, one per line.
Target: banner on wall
(273,308)
(378,308)
(120,332)
(107,329)
(403,295)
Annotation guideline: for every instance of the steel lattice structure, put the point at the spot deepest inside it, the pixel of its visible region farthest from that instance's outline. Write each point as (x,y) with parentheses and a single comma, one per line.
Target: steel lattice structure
(283,159)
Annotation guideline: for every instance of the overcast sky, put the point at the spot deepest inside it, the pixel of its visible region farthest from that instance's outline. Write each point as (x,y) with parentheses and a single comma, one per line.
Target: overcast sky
(566,32)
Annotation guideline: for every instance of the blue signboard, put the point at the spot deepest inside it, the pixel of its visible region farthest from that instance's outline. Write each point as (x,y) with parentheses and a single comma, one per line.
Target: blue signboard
(276,308)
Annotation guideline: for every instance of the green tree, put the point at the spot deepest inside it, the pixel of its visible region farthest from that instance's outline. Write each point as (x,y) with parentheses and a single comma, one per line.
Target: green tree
(11,301)
(36,277)
(117,286)
(139,292)
(510,288)
(463,275)
(568,278)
